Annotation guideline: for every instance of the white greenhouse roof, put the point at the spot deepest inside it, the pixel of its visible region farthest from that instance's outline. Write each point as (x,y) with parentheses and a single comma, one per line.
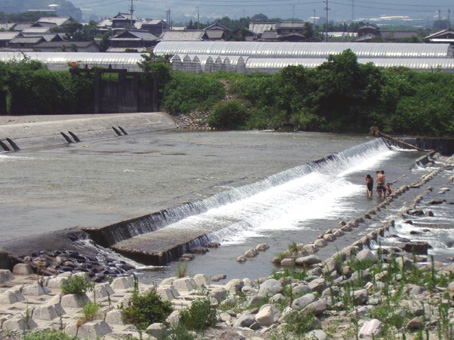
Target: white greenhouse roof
(303,49)
(272,65)
(59,60)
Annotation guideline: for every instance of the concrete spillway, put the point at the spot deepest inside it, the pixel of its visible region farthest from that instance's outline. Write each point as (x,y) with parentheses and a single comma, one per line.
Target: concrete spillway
(36,132)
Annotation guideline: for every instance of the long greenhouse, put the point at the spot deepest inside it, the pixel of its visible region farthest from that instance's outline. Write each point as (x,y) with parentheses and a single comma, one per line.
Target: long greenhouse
(252,57)
(302,49)
(58,61)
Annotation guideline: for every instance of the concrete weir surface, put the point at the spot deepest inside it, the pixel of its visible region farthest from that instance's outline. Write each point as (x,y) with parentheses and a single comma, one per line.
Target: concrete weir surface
(110,177)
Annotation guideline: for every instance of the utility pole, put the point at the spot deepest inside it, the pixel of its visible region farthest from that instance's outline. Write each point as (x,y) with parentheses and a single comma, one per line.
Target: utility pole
(353,10)
(449,19)
(314,19)
(327,21)
(168,18)
(439,20)
(198,18)
(131,11)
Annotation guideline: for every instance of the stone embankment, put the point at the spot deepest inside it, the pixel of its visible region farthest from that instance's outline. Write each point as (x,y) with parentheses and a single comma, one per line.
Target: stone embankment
(359,292)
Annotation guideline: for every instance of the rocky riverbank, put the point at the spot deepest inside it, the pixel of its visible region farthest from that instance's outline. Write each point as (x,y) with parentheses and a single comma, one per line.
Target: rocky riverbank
(361,291)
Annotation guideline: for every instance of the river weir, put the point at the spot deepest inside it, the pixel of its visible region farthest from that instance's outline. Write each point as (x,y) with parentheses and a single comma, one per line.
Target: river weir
(157,195)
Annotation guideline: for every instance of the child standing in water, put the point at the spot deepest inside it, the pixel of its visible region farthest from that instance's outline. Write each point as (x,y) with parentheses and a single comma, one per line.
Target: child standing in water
(389,190)
(370,185)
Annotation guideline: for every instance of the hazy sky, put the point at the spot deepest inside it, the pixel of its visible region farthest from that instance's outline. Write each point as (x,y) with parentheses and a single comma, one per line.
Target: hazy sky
(339,9)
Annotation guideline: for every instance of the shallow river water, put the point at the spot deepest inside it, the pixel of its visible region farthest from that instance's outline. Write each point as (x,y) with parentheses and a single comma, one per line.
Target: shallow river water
(97,183)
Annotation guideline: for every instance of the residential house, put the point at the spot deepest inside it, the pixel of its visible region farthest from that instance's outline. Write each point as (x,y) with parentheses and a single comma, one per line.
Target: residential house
(25,43)
(7,26)
(67,46)
(123,20)
(133,40)
(52,21)
(186,35)
(6,37)
(217,31)
(105,25)
(398,35)
(21,27)
(443,36)
(259,27)
(367,33)
(35,31)
(155,26)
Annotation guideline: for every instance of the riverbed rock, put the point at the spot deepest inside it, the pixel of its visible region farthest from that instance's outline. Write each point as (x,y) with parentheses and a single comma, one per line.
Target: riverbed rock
(270,287)
(234,286)
(370,328)
(316,307)
(288,262)
(320,243)
(157,330)
(310,249)
(308,261)
(317,334)
(245,320)
(22,269)
(262,247)
(251,253)
(266,315)
(219,277)
(303,301)
(366,255)
(419,247)
(415,323)
(317,285)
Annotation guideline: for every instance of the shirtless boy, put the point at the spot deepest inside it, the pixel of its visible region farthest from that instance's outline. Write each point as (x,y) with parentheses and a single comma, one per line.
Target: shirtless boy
(381,183)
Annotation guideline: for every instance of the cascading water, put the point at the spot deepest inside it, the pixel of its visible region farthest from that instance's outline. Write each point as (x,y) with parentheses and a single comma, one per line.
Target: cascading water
(282,201)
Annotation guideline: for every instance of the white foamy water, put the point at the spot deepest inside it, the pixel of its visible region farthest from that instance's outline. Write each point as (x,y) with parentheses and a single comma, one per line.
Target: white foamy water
(286,201)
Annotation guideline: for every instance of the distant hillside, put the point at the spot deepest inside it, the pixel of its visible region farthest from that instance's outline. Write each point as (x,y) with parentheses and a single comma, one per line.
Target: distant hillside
(64,8)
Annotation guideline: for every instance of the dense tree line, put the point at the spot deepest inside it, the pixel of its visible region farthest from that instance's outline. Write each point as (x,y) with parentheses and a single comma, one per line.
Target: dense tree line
(340,95)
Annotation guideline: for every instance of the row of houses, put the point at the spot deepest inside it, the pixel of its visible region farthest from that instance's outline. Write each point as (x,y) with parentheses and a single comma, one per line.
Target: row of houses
(130,34)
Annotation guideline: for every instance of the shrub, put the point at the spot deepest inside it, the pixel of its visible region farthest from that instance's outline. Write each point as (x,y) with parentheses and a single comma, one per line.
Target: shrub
(76,285)
(48,334)
(228,115)
(146,309)
(199,316)
(179,332)
(90,309)
(301,322)
(182,269)
(188,92)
